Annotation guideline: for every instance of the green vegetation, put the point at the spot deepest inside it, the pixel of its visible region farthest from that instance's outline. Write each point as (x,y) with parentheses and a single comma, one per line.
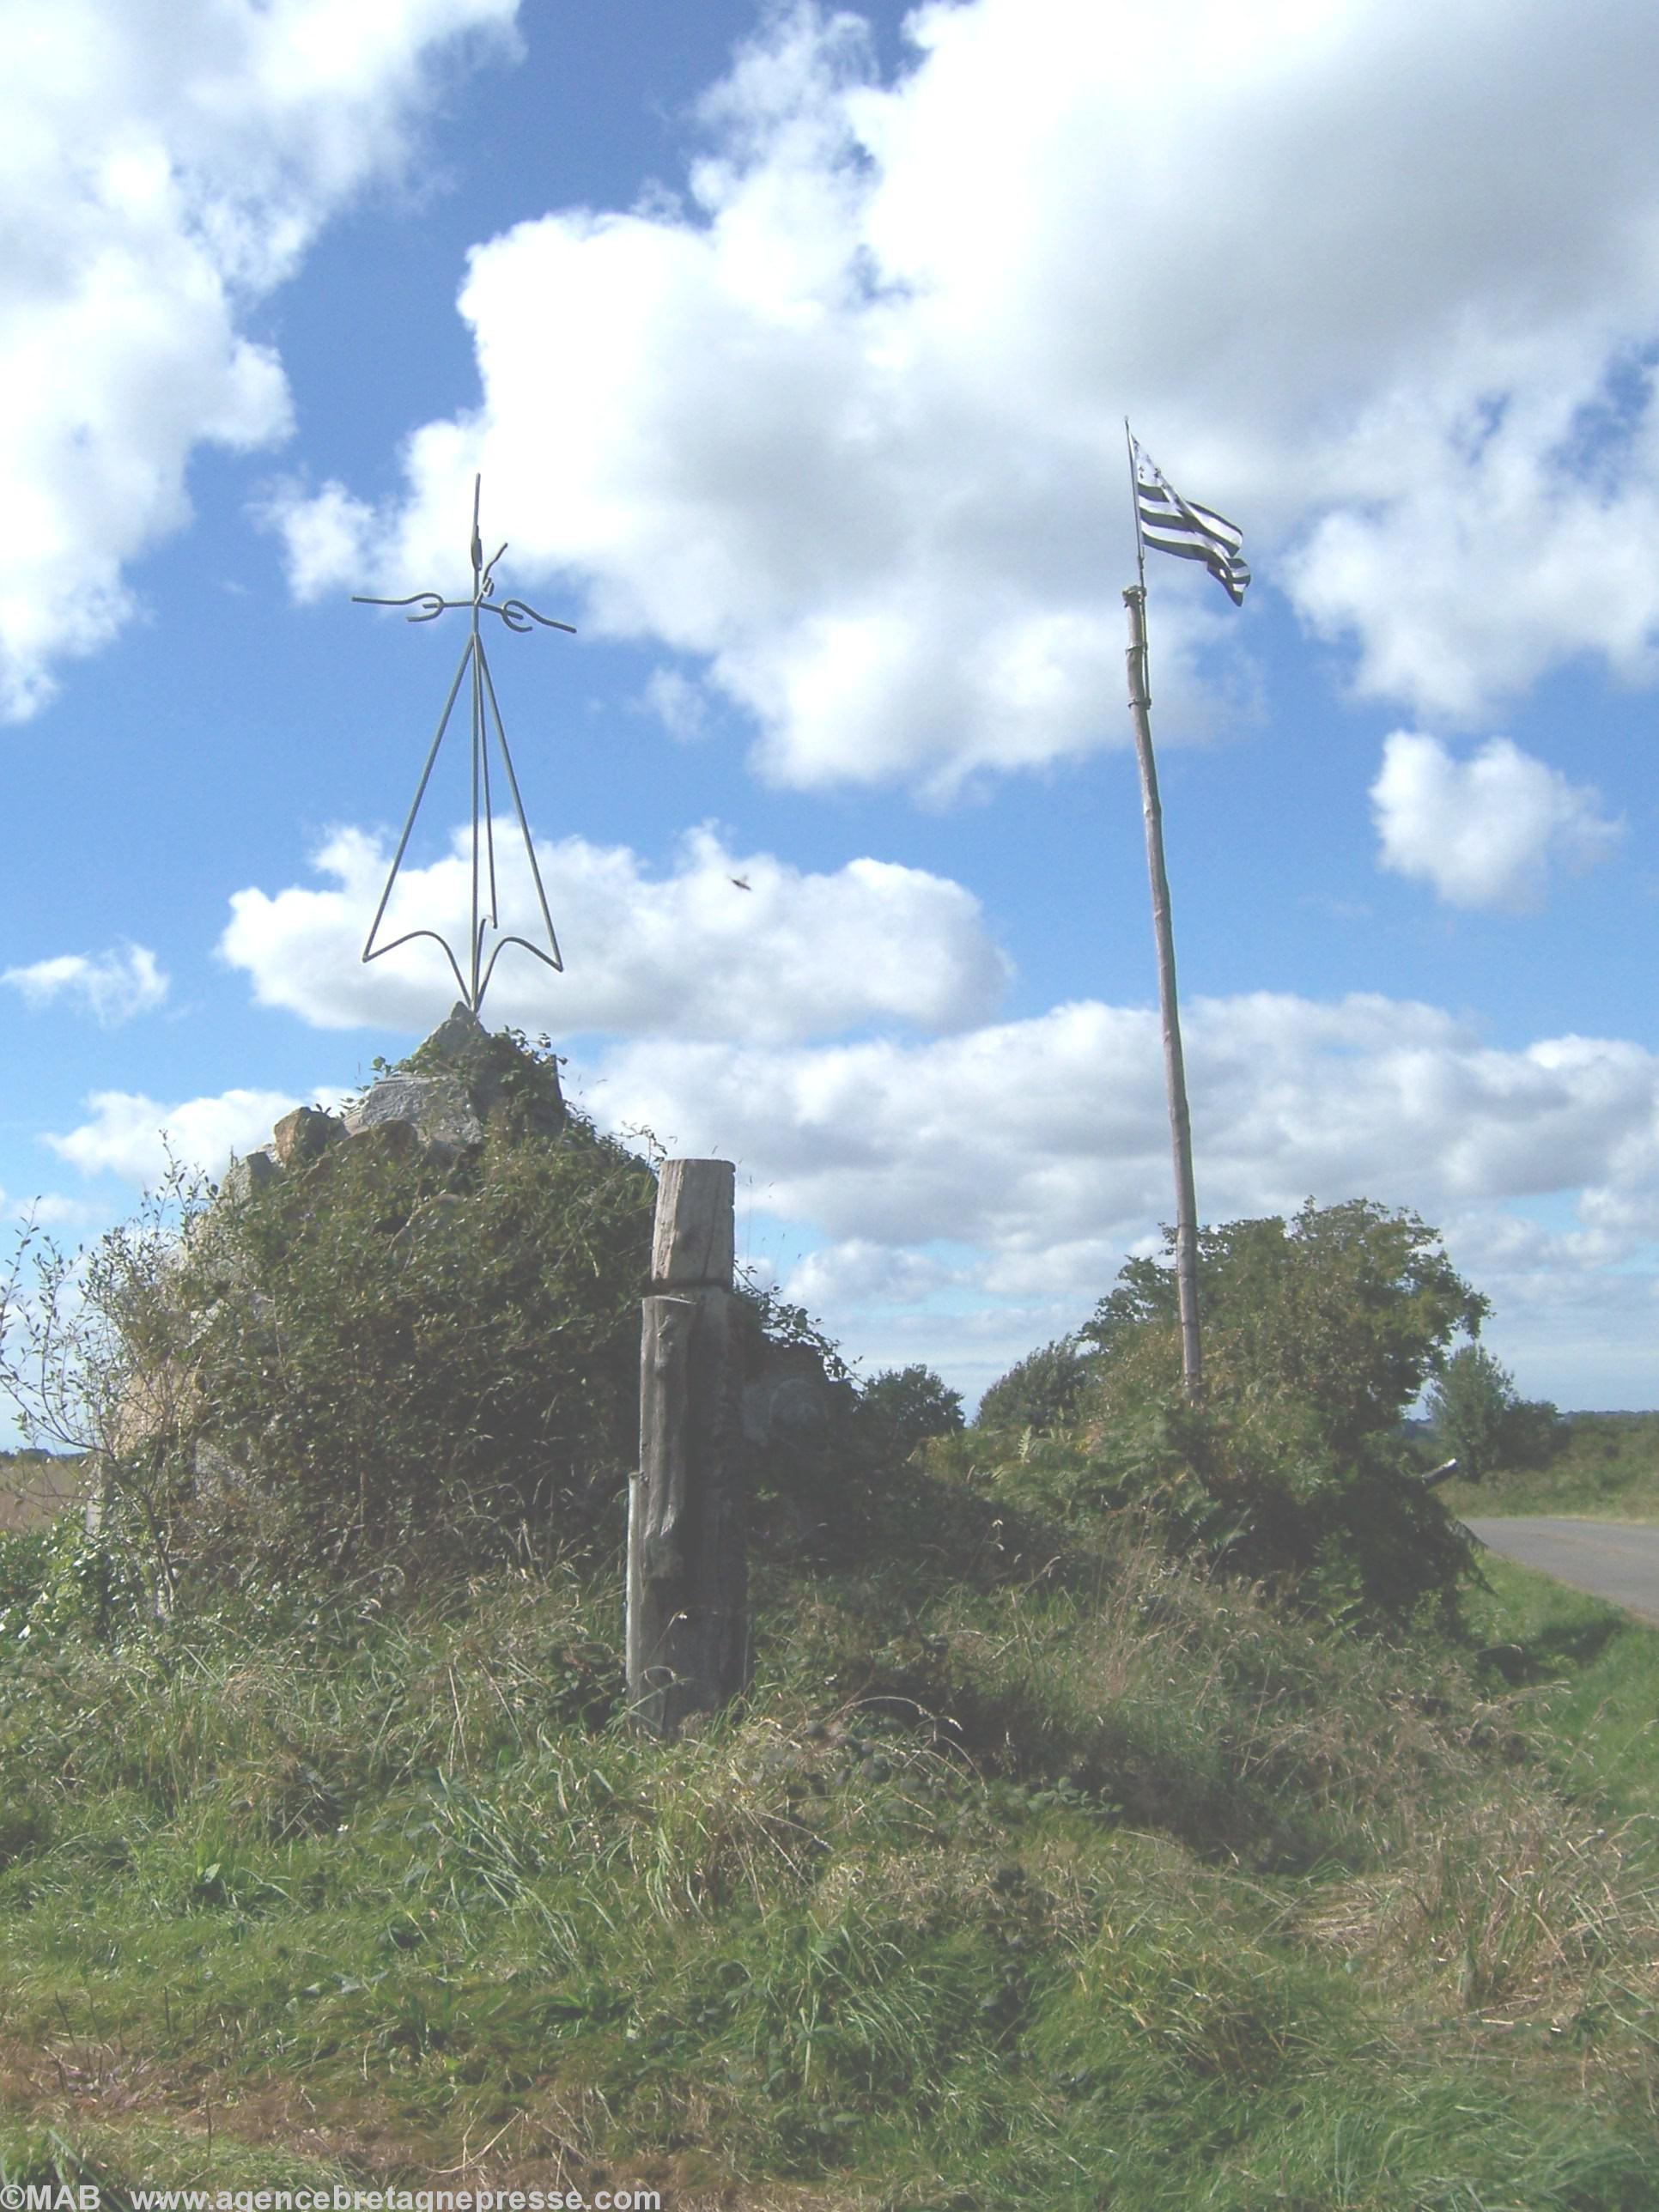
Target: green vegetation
(1100,1883)
(902,1406)
(1119,1816)
(1480,1422)
(393,1352)
(1319,1334)
(1604,1466)
(1045,1390)
(1592,1675)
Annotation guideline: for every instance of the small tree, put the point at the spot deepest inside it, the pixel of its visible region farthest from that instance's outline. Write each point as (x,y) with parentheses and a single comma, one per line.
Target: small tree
(1480,1422)
(1043,1391)
(903,1405)
(1345,1309)
(1320,1332)
(1468,1405)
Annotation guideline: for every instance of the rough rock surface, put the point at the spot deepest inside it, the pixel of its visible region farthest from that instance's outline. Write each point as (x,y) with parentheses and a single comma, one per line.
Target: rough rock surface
(246,1176)
(788,1397)
(437,1107)
(443,1098)
(305,1134)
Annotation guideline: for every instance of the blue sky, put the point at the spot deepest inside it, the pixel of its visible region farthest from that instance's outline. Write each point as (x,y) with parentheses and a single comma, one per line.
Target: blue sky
(793,346)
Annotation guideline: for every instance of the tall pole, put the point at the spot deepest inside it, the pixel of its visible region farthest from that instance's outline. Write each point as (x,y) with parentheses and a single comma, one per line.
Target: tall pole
(1175,1074)
(474,994)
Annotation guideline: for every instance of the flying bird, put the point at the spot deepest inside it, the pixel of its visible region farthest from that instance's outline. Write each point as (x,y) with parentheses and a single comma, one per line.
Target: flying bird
(740,883)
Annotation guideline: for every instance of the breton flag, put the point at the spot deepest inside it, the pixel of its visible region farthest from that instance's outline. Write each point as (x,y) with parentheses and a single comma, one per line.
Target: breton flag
(1170,523)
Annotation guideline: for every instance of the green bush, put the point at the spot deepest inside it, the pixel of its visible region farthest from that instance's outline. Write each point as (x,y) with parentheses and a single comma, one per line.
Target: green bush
(1043,1391)
(902,1405)
(1344,1310)
(1319,1333)
(390,1354)
(1480,1422)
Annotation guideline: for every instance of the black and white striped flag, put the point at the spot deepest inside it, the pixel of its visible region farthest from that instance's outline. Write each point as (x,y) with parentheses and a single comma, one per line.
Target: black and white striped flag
(1170,523)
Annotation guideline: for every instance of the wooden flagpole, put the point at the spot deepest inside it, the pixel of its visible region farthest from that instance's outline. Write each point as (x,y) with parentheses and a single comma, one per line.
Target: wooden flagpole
(1175,1074)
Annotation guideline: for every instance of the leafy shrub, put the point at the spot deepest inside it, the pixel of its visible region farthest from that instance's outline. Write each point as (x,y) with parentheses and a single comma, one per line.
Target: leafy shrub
(1319,1334)
(26,1564)
(402,1352)
(1480,1420)
(1346,1310)
(1043,1391)
(903,1405)
(385,1354)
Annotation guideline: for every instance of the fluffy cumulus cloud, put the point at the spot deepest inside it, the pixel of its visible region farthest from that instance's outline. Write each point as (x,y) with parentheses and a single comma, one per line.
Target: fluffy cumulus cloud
(163,167)
(728,945)
(113,987)
(1484,832)
(851,404)
(1000,1176)
(961,1199)
(133,1136)
(1049,1136)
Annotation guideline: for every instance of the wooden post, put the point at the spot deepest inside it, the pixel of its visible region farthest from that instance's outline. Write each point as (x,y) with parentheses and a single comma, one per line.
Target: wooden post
(1175,1074)
(688,1568)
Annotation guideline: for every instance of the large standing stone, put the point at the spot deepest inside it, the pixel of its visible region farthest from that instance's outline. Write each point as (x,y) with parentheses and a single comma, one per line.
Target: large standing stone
(494,1072)
(460,1078)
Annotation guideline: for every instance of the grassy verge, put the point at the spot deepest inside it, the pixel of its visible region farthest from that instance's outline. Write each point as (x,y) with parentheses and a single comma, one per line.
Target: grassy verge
(1057,1880)
(1591,1676)
(1606,1468)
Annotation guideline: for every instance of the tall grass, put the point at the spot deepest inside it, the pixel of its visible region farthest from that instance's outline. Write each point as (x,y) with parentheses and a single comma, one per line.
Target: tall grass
(1588,1675)
(1055,1880)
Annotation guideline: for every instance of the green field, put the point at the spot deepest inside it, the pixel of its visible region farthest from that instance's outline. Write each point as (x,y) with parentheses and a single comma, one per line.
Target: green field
(1606,1467)
(35,1486)
(1123,1814)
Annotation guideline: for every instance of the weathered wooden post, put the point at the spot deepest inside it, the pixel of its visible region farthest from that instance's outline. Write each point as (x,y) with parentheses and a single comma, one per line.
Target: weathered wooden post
(688,1566)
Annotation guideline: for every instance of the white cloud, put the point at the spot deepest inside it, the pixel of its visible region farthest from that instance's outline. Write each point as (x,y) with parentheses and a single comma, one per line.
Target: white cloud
(326,533)
(162,167)
(1572,1321)
(859,1274)
(1037,1152)
(134,1136)
(852,407)
(53,1209)
(679,704)
(1485,831)
(691,953)
(112,986)
(964,1199)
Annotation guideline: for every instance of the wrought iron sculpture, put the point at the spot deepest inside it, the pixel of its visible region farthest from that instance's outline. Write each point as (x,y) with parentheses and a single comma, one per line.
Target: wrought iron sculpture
(486,711)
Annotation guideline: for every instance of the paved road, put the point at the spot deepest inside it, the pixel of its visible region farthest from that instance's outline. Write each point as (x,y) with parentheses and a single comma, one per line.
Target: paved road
(1613,1560)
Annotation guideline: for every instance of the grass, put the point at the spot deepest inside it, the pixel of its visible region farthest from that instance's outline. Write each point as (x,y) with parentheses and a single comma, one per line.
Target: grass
(35,1486)
(1049,1878)
(1591,1673)
(1606,1468)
